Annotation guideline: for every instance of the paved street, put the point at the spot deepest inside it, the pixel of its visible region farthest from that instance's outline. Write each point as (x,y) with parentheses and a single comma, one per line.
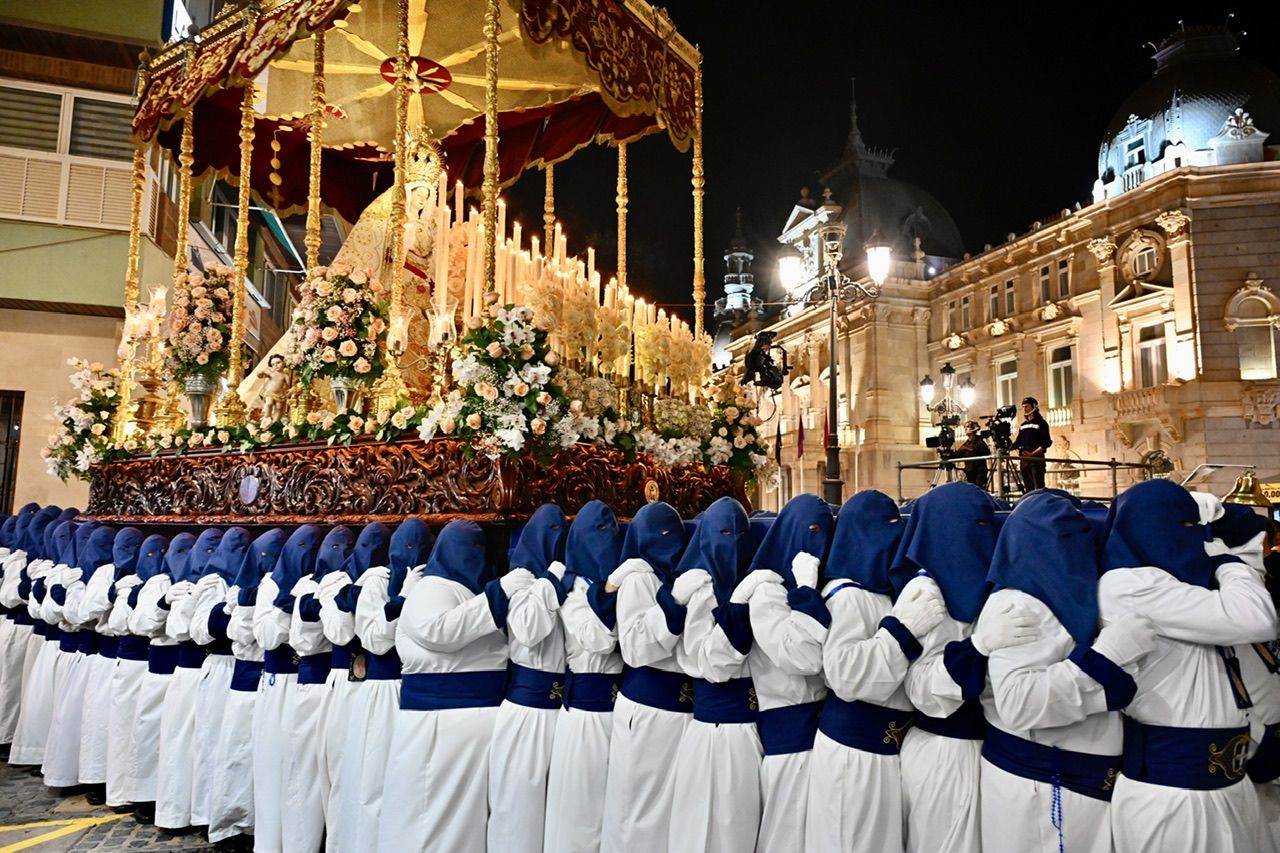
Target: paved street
(33,817)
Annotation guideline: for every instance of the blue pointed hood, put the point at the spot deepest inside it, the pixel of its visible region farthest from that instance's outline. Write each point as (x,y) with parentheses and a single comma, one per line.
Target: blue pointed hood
(97,552)
(334,550)
(33,541)
(411,546)
(594,544)
(720,546)
(657,536)
(541,541)
(80,542)
(7,531)
(21,522)
(49,549)
(262,557)
(62,543)
(458,555)
(297,560)
(1157,523)
(179,555)
(202,552)
(230,553)
(865,542)
(804,525)
(124,551)
(151,555)
(373,548)
(951,534)
(1238,526)
(1047,550)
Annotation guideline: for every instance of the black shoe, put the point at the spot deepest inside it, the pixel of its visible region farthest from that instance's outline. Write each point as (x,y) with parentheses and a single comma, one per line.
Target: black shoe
(96,795)
(144,813)
(124,809)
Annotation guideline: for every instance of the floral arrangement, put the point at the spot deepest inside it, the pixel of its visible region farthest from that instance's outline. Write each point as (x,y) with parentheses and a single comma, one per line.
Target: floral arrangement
(340,325)
(597,394)
(504,401)
(199,329)
(733,439)
(83,435)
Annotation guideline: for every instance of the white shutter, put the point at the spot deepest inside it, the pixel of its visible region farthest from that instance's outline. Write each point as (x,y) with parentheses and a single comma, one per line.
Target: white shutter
(29,187)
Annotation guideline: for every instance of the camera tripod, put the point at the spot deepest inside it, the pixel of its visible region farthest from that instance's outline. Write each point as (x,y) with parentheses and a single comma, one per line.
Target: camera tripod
(947,472)
(1010,472)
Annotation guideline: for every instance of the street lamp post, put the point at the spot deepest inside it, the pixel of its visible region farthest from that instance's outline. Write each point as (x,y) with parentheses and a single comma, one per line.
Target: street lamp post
(836,288)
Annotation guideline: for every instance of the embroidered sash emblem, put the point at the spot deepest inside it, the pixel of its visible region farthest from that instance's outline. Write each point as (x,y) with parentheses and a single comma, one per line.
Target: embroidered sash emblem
(895,733)
(1230,759)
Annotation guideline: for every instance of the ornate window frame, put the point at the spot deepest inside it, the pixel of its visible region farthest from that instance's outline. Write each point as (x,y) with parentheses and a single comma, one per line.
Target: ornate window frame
(1254,290)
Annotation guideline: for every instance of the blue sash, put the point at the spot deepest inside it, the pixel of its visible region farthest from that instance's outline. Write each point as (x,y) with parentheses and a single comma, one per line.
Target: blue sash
(89,642)
(382,667)
(190,655)
(281,661)
(1193,759)
(21,617)
(784,731)
(444,691)
(39,627)
(133,648)
(591,691)
(69,642)
(108,646)
(162,660)
(52,633)
(534,688)
(1086,773)
(968,723)
(734,701)
(220,646)
(246,675)
(657,688)
(314,669)
(1265,764)
(864,726)
(340,658)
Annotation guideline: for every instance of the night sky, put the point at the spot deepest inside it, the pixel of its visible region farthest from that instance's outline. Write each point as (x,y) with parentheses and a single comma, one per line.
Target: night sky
(996,109)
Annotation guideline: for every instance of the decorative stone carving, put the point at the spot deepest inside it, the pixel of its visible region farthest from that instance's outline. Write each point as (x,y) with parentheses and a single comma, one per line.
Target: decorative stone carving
(955,341)
(1238,125)
(375,481)
(998,328)
(1173,222)
(1103,248)
(1262,406)
(1139,241)
(1254,289)
(1051,311)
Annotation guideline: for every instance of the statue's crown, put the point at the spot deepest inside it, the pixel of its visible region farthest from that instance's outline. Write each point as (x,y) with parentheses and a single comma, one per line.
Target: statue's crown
(423,160)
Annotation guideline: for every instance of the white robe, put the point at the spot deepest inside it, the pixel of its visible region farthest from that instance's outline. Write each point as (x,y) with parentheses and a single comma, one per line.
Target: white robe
(13,649)
(786,669)
(1183,683)
(148,619)
(645,740)
(1039,695)
(61,766)
(272,721)
(126,680)
(95,611)
(304,788)
(717,774)
(520,755)
(579,767)
(32,733)
(176,757)
(371,720)
(339,629)
(435,797)
(940,775)
(854,799)
(211,697)
(231,795)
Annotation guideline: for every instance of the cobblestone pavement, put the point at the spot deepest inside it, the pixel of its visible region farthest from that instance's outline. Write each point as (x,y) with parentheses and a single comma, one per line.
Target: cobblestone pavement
(36,818)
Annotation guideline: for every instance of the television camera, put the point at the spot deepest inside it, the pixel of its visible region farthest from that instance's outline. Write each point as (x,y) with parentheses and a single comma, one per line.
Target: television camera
(999,427)
(944,441)
(762,369)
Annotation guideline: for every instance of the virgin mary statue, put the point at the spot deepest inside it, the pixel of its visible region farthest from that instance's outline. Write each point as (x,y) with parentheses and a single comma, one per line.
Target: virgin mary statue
(370,246)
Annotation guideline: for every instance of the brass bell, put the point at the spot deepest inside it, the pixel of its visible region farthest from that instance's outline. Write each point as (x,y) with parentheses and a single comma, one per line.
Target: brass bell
(1247,491)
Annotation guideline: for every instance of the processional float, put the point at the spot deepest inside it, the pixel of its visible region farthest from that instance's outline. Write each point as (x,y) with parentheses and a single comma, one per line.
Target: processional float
(443,364)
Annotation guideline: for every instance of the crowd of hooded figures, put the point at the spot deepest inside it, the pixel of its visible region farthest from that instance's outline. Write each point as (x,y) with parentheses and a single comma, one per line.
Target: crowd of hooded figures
(939,678)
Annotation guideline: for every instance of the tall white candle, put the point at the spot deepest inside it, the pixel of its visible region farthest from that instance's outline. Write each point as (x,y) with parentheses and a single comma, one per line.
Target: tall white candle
(502,220)
(515,234)
(458,203)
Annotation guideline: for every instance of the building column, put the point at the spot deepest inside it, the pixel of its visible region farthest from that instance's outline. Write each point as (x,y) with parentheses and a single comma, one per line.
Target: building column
(1184,342)
(1104,249)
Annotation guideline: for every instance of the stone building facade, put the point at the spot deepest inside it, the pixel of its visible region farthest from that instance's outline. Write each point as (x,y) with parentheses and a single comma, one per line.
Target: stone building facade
(1145,323)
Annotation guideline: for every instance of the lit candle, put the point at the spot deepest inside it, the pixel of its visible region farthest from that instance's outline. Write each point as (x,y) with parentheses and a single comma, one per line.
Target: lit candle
(554,248)
(591,261)
(457,202)
(515,234)
(502,220)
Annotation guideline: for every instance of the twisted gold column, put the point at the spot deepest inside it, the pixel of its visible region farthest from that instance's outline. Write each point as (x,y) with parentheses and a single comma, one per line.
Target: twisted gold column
(549,211)
(186,161)
(315,136)
(231,409)
(490,143)
(621,200)
(698,181)
(124,408)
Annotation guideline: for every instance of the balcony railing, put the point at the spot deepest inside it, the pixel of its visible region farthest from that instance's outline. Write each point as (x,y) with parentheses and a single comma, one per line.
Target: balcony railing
(1141,403)
(1060,417)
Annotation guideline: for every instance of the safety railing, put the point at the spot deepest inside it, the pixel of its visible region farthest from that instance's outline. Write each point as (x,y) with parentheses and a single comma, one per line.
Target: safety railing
(1004,478)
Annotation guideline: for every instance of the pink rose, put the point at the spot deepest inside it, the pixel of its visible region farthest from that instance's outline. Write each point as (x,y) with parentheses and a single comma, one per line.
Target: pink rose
(521,389)
(447,425)
(359,277)
(474,323)
(552,359)
(347,349)
(538,425)
(362,366)
(328,356)
(494,349)
(329,333)
(473,420)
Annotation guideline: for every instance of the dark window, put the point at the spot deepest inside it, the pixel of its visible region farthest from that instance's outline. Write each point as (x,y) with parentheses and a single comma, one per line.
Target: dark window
(10,428)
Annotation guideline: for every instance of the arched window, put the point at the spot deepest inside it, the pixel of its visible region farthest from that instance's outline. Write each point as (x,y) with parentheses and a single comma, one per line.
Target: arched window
(1253,315)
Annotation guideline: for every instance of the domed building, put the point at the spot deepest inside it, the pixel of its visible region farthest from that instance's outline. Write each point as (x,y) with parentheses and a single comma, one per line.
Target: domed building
(1206,105)
(1144,323)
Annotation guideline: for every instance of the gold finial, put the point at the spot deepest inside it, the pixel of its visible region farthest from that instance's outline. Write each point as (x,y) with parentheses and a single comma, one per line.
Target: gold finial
(424,160)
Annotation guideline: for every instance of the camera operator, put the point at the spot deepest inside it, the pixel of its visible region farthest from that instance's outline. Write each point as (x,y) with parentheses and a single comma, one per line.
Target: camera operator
(975,471)
(1031,443)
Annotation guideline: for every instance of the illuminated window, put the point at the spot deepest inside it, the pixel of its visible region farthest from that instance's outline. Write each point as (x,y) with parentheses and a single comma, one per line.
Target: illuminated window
(1152,365)
(1061,386)
(1064,278)
(1251,316)
(1134,154)
(1144,261)
(1007,382)
(952,319)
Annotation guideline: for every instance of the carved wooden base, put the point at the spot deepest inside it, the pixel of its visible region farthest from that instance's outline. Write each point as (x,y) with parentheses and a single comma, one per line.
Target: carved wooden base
(375,481)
